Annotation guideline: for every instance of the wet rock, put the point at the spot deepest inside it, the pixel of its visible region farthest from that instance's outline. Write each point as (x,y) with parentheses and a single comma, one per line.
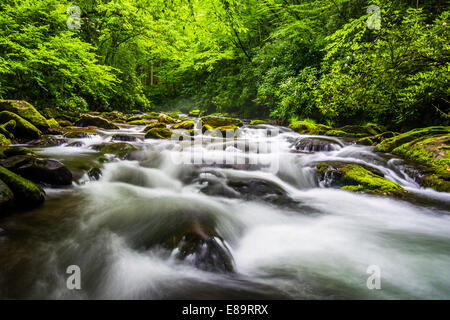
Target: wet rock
(4,141)
(309,127)
(138,122)
(47,141)
(120,149)
(26,111)
(353,177)
(195,113)
(26,194)
(64,123)
(6,196)
(78,133)
(94,173)
(14,151)
(166,119)
(7,128)
(257,122)
(158,133)
(317,144)
(374,140)
(154,124)
(41,170)
(87,120)
(221,121)
(23,128)
(76,144)
(187,124)
(52,123)
(123,137)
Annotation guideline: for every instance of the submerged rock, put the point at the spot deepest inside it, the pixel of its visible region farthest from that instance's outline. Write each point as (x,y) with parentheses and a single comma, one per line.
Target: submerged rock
(123,137)
(26,111)
(41,170)
(353,177)
(94,173)
(88,120)
(23,128)
(26,194)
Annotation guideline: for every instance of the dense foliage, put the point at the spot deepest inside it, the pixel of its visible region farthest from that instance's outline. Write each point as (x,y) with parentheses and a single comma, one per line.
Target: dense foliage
(331,61)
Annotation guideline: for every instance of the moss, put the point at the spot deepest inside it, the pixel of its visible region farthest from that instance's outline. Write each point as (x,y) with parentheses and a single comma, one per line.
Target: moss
(319,129)
(195,113)
(302,126)
(4,141)
(256,122)
(166,119)
(6,196)
(52,123)
(25,192)
(158,133)
(359,179)
(23,129)
(215,122)
(390,144)
(7,152)
(7,128)
(26,111)
(337,133)
(376,139)
(437,182)
(120,149)
(138,122)
(64,123)
(155,124)
(187,124)
(151,115)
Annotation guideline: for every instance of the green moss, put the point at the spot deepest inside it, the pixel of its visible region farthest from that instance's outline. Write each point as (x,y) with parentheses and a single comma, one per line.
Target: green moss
(88,120)
(7,128)
(52,123)
(166,119)
(376,139)
(390,144)
(120,149)
(337,133)
(4,141)
(138,122)
(26,111)
(151,115)
(437,182)
(195,113)
(357,178)
(6,196)
(221,122)
(158,133)
(23,129)
(26,192)
(302,126)
(256,122)
(155,124)
(187,124)
(64,123)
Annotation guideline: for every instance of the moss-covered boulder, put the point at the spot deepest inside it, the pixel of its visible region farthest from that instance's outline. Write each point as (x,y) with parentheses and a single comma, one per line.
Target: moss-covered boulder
(216,122)
(309,144)
(12,151)
(150,116)
(195,113)
(26,111)
(164,118)
(26,193)
(256,122)
(23,128)
(64,123)
(394,142)
(52,123)
(6,196)
(356,178)
(40,170)
(120,149)
(154,124)
(88,120)
(158,133)
(138,122)
(7,128)
(376,139)
(187,124)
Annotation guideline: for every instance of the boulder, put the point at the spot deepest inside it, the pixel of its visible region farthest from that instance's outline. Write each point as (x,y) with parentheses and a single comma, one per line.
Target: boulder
(376,139)
(7,128)
(47,171)
(356,178)
(26,111)
(221,121)
(64,123)
(4,141)
(23,128)
(88,120)
(195,113)
(154,124)
(120,149)
(26,194)
(138,122)
(187,124)
(158,133)
(52,123)
(123,137)
(256,122)
(14,151)
(165,118)
(317,144)
(94,173)
(6,196)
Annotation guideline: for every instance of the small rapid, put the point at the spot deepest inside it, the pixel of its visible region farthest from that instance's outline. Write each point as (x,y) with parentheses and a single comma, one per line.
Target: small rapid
(273,231)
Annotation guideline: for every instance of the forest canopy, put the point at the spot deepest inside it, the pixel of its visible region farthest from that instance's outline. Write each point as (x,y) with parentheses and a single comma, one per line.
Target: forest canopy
(336,62)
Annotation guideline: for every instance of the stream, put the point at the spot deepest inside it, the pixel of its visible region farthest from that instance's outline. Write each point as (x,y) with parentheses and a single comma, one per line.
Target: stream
(287,236)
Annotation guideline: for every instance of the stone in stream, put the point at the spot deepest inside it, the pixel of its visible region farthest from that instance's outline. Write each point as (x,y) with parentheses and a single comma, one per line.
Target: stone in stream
(41,170)
(26,193)
(23,129)
(94,173)
(123,137)
(158,133)
(4,141)
(88,120)
(309,144)
(154,124)
(120,149)
(215,122)
(6,196)
(26,111)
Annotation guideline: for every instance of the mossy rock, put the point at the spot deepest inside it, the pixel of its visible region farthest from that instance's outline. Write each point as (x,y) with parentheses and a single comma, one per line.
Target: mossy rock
(164,118)
(319,129)
(256,122)
(121,149)
(7,128)
(78,133)
(376,139)
(26,111)
(309,127)
(138,122)
(4,141)
(390,144)
(195,113)
(6,196)
(338,133)
(26,193)
(360,131)
(64,123)
(150,116)
(7,152)
(158,133)
(187,124)
(154,124)
(52,123)
(23,128)
(356,178)
(216,122)
(88,120)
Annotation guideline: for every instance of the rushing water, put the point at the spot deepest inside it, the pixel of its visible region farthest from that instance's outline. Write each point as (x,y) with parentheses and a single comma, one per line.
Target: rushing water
(289,237)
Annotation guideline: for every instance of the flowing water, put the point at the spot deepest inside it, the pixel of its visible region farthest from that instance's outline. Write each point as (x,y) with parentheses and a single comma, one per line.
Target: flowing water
(289,237)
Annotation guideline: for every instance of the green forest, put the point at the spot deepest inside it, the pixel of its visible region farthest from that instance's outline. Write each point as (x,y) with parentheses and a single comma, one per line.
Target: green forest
(334,62)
